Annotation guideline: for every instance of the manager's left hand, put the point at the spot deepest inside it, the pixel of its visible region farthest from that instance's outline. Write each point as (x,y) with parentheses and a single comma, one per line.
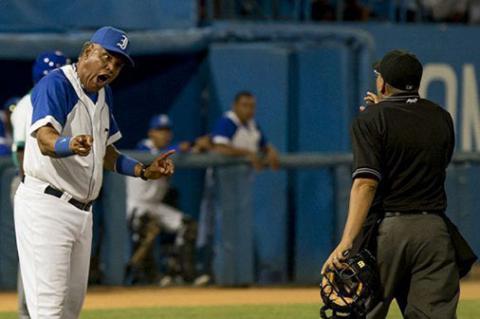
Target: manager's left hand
(162,166)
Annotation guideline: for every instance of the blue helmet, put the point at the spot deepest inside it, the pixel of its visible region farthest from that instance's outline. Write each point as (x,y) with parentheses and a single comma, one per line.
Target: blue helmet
(160,121)
(47,62)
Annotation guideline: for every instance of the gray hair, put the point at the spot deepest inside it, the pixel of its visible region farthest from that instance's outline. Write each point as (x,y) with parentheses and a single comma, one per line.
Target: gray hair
(85,46)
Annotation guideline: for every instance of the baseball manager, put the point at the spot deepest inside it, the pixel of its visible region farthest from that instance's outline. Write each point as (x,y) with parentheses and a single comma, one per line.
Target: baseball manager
(69,145)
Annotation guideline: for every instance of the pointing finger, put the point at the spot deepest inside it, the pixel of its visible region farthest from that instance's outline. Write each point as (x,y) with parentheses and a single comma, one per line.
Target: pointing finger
(166,155)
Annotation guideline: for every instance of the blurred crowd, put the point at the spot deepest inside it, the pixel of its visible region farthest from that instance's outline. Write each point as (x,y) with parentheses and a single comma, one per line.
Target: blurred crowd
(447,11)
(427,11)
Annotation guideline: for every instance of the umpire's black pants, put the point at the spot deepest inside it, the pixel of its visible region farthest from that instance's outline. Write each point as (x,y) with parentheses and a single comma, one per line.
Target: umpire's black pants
(417,267)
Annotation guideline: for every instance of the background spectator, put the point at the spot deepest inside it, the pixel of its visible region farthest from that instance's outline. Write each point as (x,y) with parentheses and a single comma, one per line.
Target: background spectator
(152,210)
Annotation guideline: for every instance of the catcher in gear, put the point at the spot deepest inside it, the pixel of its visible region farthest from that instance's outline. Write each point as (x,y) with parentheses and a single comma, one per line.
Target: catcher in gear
(349,291)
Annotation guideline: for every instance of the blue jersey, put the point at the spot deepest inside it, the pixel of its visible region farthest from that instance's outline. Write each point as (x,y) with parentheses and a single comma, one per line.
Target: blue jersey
(229,130)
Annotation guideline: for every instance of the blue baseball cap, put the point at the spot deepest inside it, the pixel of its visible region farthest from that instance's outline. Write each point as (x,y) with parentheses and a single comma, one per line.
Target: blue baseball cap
(47,62)
(10,103)
(160,121)
(113,40)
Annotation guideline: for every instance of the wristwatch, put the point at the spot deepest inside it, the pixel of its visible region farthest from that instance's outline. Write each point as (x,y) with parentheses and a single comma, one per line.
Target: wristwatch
(143,171)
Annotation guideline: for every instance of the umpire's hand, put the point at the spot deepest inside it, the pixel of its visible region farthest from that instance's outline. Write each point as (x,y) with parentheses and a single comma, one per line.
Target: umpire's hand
(81,144)
(338,256)
(162,166)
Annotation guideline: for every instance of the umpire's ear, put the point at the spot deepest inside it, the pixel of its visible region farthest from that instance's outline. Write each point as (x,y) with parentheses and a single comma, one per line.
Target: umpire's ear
(383,90)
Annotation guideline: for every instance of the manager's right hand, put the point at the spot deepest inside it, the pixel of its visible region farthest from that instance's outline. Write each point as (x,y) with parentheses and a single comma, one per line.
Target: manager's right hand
(81,144)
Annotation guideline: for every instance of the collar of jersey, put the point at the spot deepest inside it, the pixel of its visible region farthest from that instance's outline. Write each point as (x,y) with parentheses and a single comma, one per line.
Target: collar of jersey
(90,95)
(231,115)
(402,96)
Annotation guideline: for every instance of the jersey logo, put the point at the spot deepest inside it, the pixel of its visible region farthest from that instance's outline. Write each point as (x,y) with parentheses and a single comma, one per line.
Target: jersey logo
(410,101)
(123,43)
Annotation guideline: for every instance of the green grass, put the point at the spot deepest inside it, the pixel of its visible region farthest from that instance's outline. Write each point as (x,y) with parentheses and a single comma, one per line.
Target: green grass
(466,310)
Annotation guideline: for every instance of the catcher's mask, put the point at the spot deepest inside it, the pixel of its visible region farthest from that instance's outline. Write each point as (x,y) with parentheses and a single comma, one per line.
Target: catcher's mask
(348,292)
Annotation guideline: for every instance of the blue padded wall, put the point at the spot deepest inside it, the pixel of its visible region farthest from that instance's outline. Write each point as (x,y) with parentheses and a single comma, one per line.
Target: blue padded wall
(262,69)
(115,234)
(234,235)
(323,78)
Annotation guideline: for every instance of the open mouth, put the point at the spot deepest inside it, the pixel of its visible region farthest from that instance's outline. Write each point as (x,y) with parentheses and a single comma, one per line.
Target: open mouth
(102,79)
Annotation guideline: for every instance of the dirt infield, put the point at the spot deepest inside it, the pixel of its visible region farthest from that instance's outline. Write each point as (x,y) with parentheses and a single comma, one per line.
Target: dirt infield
(108,298)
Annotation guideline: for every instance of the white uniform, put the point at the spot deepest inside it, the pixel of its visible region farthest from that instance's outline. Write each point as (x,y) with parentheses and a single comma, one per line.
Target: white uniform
(229,130)
(147,196)
(54,236)
(21,118)
(20,121)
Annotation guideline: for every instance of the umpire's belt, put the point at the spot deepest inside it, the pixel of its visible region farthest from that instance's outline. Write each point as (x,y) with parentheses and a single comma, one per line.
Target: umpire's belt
(57,193)
(414,212)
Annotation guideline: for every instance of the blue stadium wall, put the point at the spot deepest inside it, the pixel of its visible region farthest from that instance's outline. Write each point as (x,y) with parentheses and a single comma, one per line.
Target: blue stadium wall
(61,16)
(308,91)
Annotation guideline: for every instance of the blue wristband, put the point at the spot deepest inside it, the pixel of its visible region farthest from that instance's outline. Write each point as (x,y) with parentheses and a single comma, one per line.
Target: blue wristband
(126,165)
(62,146)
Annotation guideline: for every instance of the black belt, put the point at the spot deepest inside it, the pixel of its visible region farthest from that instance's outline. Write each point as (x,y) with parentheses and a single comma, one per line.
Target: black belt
(55,192)
(414,212)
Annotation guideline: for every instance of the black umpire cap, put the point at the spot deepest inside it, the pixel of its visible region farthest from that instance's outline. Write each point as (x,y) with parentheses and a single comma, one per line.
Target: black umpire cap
(400,69)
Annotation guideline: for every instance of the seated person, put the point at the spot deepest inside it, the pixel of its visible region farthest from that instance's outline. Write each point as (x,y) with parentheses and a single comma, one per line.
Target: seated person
(150,211)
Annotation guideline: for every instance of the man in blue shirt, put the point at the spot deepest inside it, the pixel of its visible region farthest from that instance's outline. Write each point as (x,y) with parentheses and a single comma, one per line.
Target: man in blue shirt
(237,134)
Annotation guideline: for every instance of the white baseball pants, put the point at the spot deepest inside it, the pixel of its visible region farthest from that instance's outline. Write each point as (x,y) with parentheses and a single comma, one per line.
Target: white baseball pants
(54,244)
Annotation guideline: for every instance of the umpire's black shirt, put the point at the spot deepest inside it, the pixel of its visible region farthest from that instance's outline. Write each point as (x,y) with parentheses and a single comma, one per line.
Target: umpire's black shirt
(406,143)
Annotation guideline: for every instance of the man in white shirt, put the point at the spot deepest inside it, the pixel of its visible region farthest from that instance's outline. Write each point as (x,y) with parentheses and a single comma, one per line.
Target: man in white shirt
(149,214)
(235,134)
(70,143)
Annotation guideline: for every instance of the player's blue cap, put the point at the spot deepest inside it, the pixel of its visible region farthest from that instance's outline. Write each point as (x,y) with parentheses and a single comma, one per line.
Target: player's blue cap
(113,40)
(10,103)
(160,121)
(47,62)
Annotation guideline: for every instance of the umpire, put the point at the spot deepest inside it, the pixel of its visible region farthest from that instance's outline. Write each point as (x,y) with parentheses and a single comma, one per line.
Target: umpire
(402,145)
